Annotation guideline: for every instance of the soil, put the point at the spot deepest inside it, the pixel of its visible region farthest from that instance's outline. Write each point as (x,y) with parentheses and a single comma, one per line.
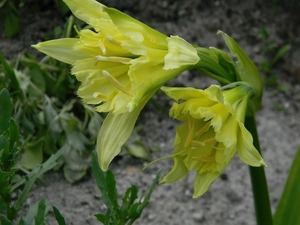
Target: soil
(229,199)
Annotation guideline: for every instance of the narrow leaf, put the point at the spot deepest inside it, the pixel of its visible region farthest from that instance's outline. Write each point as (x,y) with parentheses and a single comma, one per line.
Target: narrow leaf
(100,217)
(40,218)
(59,218)
(287,211)
(36,173)
(4,221)
(11,25)
(281,52)
(6,108)
(102,185)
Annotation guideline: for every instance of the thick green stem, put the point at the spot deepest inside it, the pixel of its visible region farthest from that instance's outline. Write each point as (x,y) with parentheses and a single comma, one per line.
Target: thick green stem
(259,182)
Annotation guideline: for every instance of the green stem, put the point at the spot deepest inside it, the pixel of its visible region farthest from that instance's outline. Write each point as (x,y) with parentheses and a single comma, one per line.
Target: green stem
(259,182)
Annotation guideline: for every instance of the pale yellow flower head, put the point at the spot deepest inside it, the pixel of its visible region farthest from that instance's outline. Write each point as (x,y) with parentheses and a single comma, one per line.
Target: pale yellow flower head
(120,64)
(122,60)
(212,132)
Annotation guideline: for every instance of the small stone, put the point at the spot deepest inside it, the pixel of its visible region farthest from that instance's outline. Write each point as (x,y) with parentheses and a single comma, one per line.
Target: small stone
(198,216)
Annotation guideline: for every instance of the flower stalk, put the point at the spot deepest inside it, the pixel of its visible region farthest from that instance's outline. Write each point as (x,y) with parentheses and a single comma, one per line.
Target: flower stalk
(259,182)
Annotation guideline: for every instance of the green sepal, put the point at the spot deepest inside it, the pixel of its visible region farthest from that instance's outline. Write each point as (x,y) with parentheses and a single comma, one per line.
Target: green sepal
(247,72)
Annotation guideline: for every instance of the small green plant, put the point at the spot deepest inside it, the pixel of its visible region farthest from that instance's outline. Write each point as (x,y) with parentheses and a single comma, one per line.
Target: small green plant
(11,20)
(9,10)
(10,178)
(130,209)
(274,53)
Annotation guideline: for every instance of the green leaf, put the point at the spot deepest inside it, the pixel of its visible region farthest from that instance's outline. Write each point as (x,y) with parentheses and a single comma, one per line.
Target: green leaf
(14,133)
(10,76)
(106,193)
(281,52)
(34,174)
(112,190)
(287,211)
(62,7)
(5,221)
(30,216)
(59,218)
(33,155)
(11,24)
(100,217)
(144,200)
(38,85)
(6,108)
(40,218)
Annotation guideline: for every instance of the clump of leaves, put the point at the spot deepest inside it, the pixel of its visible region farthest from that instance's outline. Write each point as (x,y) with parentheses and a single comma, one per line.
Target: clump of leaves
(274,53)
(10,179)
(130,209)
(9,10)
(52,113)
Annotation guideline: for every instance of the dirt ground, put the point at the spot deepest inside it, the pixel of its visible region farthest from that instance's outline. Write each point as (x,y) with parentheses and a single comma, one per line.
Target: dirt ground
(229,199)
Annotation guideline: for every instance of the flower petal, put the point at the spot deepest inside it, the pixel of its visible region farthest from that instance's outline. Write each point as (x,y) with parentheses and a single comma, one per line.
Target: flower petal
(247,152)
(61,49)
(180,53)
(115,131)
(178,171)
(87,10)
(182,93)
(202,182)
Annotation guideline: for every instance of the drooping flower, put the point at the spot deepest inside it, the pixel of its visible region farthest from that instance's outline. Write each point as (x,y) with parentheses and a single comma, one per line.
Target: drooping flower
(212,132)
(120,64)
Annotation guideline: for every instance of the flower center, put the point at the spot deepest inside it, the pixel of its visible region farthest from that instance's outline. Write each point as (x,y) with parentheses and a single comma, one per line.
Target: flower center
(201,140)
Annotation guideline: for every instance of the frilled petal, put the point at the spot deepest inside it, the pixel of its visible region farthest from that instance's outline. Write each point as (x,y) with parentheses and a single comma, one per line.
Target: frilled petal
(246,150)
(61,49)
(181,53)
(212,132)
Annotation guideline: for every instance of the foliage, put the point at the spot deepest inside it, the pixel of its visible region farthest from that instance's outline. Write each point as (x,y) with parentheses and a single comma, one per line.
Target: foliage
(9,9)
(52,113)
(131,209)
(10,179)
(274,53)
(289,204)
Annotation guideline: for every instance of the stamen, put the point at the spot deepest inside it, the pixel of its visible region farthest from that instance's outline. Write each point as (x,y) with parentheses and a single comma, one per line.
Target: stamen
(203,129)
(191,132)
(115,82)
(102,47)
(112,59)
(218,148)
(163,158)
(99,95)
(204,159)
(197,143)
(209,141)
(112,40)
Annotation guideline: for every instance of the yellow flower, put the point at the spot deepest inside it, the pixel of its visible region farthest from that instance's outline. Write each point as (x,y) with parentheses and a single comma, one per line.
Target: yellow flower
(212,132)
(120,64)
